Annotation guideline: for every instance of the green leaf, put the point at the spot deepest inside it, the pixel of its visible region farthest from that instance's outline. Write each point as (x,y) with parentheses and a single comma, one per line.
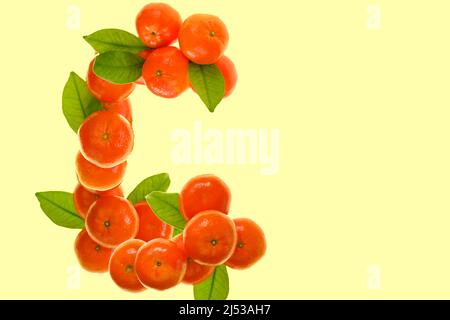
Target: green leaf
(77,101)
(160,182)
(115,40)
(59,207)
(118,67)
(176,232)
(215,287)
(166,207)
(208,82)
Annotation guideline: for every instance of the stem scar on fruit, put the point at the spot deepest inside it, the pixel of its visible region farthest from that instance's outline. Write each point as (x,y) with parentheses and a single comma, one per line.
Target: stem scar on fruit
(107,224)
(129,268)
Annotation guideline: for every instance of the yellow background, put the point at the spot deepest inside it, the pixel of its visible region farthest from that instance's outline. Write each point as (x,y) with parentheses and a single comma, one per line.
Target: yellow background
(364,163)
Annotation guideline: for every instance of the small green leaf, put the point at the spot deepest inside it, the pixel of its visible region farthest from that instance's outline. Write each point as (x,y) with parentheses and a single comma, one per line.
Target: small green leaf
(160,182)
(215,287)
(176,232)
(166,207)
(115,40)
(208,82)
(118,67)
(77,101)
(59,207)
